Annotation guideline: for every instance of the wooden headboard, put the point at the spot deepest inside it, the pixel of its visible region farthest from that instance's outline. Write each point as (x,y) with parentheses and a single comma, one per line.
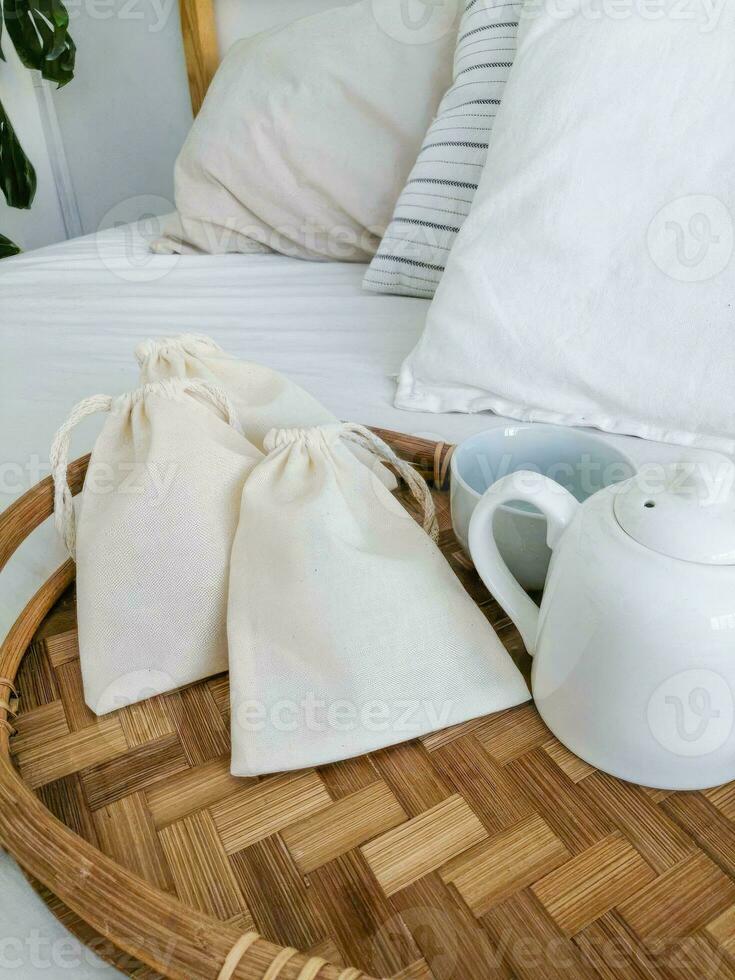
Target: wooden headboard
(201,50)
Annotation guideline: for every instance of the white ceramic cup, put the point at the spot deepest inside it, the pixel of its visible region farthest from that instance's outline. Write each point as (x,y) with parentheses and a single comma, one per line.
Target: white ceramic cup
(581,462)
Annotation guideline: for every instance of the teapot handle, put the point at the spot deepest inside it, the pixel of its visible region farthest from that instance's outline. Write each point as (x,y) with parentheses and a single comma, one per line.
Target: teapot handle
(557,505)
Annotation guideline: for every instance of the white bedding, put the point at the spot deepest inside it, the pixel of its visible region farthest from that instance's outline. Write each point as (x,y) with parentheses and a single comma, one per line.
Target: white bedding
(72,313)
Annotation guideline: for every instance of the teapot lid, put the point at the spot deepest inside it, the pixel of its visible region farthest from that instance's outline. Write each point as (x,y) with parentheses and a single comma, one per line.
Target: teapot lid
(684,510)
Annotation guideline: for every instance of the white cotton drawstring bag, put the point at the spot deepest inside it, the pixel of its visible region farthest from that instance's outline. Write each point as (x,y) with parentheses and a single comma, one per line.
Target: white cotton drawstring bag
(348,630)
(263,398)
(152,537)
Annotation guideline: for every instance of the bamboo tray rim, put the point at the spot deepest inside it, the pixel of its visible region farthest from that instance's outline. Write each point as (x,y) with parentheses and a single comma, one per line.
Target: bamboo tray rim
(505,830)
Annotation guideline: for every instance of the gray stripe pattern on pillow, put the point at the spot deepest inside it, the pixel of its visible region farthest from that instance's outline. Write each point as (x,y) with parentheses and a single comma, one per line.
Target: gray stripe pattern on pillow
(438,194)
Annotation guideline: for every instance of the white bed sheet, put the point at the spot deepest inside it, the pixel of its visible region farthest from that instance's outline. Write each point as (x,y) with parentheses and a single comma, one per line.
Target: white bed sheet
(70,316)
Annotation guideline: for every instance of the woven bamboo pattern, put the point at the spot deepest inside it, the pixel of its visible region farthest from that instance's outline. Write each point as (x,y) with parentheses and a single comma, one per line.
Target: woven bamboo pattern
(483,851)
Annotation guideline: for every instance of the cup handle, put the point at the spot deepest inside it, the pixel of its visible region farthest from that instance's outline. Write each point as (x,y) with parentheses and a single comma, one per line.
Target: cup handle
(557,505)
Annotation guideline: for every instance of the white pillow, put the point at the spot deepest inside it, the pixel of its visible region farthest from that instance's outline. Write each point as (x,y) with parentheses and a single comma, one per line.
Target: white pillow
(306,136)
(594,282)
(438,194)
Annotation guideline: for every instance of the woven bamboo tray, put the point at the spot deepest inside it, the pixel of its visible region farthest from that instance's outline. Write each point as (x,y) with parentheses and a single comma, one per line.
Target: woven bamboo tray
(482,851)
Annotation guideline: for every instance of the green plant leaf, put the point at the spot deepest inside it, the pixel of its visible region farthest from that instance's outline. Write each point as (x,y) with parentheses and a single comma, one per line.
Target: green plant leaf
(17,176)
(39,29)
(7,247)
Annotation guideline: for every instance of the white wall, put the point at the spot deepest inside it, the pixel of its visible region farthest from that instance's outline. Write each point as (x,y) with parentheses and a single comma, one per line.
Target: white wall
(44,222)
(122,119)
(103,146)
(126,113)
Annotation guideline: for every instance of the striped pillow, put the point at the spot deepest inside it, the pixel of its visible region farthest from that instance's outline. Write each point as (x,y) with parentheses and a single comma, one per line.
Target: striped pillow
(438,194)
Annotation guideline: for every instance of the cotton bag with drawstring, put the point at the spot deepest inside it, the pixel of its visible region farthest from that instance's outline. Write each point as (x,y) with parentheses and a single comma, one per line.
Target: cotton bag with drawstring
(152,536)
(348,630)
(263,398)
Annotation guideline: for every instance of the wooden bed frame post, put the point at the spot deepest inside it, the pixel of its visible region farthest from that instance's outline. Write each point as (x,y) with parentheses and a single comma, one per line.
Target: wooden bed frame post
(201,49)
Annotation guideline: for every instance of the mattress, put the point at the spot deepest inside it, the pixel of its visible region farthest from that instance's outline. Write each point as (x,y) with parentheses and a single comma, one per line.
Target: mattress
(72,313)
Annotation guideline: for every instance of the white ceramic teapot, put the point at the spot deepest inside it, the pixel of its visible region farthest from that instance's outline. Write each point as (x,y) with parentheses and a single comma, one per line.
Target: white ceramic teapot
(634,643)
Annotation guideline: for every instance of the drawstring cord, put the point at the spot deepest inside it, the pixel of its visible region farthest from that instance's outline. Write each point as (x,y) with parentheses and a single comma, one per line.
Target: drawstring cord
(181,343)
(59,456)
(363,436)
